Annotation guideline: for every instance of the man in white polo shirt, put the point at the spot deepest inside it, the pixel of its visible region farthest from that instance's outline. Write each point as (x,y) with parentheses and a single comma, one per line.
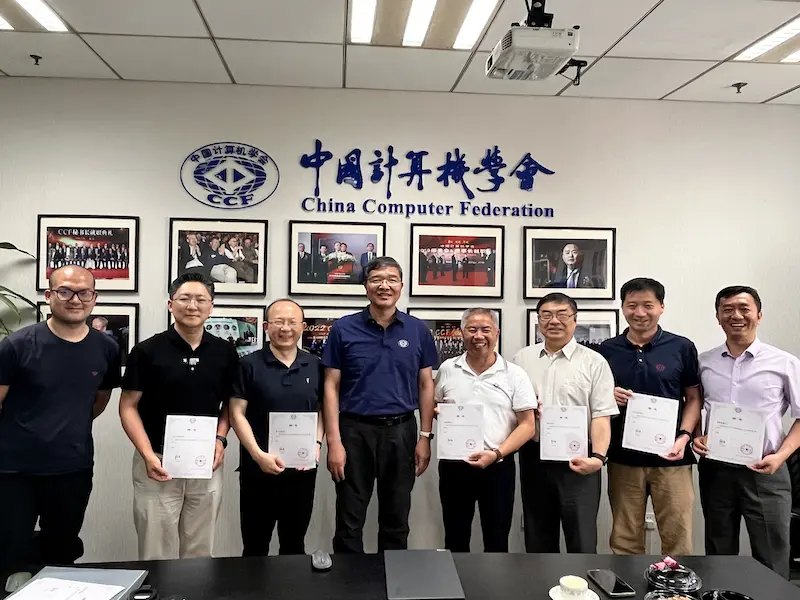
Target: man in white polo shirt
(565,373)
(482,377)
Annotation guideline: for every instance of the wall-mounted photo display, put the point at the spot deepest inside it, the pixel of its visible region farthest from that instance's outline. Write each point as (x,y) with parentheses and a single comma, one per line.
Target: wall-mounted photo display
(445,326)
(232,253)
(318,326)
(242,326)
(106,246)
(328,259)
(594,326)
(457,261)
(118,321)
(579,260)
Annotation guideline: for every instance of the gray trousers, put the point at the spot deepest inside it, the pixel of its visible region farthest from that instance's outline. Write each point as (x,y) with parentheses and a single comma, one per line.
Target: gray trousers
(728,493)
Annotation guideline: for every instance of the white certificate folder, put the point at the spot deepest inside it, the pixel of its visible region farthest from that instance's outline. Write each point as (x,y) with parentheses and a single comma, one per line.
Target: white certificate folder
(130,580)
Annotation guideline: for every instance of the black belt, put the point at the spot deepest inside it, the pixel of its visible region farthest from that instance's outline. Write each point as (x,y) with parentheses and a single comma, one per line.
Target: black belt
(380,420)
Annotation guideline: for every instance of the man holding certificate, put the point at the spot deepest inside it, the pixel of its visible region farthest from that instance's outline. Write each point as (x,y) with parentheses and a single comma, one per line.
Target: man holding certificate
(748,386)
(274,411)
(560,468)
(485,414)
(658,392)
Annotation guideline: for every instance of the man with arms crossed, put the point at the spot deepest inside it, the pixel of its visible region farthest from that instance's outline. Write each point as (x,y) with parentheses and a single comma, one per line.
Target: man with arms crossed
(378,372)
(564,373)
(55,378)
(481,376)
(645,359)
(753,375)
(182,371)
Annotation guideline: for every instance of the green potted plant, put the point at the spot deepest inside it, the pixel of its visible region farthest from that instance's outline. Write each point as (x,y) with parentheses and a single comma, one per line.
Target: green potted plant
(11,311)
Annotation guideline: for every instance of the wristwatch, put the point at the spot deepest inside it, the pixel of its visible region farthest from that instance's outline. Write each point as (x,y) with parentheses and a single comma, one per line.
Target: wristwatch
(684,432)
(601,457)
(499,455)
(426,434)
(224,441)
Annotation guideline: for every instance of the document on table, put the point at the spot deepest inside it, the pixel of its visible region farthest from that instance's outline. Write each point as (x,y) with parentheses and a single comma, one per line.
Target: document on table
(735,434)
(189,444)
(61,589)
(293,437)
(650,424)
(460,432)
(563,433)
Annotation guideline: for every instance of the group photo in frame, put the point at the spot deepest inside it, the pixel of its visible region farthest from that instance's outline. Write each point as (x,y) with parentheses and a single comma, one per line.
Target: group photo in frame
(230,252)
(328,258)
(107,246)
(318,326)
(240,325)
(578,260)
(594,326)
(457,261)
(445,327)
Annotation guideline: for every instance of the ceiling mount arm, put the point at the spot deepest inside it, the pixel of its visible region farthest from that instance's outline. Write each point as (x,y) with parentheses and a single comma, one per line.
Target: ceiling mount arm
(537,17)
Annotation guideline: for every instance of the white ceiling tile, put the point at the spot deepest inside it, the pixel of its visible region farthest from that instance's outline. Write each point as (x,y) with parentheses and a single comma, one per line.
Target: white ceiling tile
(142,17)
(277,20)
(704,29)
(283,63)
(160,58)
(63,55)
(382,68)
(763,82)
(636,78)
(790,98)
(602,22)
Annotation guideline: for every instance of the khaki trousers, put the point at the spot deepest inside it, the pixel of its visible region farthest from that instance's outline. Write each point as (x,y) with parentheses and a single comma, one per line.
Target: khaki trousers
(672,492)
(176,518)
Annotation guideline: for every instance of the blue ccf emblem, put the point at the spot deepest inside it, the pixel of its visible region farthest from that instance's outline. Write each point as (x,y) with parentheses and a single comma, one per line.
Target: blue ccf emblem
(229,175)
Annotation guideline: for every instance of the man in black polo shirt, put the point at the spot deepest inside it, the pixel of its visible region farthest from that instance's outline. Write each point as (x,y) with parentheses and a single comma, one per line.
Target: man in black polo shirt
(182,371)
(648,360)
(278,378)
(55,378)
(378,372)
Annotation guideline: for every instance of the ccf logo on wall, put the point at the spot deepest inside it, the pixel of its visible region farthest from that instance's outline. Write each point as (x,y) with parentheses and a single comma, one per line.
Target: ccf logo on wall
(229,175)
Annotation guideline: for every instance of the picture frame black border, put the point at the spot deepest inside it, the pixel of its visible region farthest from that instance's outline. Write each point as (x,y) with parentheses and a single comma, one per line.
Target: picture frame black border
(265,222)
(136,252)
(526,262)
(531,311)
(500,274)
(499,312)
(292,223)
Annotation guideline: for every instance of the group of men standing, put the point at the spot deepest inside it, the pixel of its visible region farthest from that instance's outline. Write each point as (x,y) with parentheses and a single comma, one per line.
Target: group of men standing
(316,268)
(56,376)
(105,256)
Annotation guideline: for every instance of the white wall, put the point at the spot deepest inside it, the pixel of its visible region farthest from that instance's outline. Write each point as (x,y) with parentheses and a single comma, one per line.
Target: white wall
(702,196)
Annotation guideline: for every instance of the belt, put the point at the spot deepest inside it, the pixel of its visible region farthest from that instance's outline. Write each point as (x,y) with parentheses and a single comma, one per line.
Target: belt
(380,420)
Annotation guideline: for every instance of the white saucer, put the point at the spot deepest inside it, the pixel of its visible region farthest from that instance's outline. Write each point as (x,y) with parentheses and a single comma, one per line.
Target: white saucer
(555,594)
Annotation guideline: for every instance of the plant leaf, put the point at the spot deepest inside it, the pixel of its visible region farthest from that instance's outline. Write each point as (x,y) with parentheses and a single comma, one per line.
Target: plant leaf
(14,308)
(10,246)
(10,292)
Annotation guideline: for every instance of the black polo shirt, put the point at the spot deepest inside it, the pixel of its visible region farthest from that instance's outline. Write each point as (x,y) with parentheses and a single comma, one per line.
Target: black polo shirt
(665,367)
(176,380)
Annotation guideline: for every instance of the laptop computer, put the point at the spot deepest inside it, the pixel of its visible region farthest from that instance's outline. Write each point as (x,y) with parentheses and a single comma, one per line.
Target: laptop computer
(421,575)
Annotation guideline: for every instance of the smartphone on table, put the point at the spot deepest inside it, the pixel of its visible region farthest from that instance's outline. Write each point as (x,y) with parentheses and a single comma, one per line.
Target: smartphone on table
(612,584)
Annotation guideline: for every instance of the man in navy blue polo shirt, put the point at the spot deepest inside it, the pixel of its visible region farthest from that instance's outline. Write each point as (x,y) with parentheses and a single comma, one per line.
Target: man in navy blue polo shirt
(378,372)
(646,359)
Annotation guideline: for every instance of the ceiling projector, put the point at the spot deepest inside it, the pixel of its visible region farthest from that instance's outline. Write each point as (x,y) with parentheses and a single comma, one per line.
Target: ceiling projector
(532,53)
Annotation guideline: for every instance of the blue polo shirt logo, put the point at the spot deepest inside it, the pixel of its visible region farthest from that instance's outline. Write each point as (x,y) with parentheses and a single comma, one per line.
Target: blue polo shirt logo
(402,343)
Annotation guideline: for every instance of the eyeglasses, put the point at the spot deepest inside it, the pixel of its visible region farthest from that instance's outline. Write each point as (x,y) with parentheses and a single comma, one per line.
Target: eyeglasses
(289,324)
(390,281)
(200,301)
(65,294)
(562,317)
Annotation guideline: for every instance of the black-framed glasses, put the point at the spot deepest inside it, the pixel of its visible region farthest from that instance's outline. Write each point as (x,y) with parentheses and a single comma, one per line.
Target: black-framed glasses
(65,294)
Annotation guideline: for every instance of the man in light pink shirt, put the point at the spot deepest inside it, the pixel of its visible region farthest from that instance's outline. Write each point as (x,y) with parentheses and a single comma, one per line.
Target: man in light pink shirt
(746,372)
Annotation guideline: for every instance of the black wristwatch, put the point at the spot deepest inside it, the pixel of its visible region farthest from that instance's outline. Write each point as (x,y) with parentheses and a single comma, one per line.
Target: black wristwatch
(224,441)
(684,432)
(602,458)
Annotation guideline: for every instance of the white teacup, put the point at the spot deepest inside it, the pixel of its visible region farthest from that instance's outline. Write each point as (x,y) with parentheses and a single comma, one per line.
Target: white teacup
(571,586)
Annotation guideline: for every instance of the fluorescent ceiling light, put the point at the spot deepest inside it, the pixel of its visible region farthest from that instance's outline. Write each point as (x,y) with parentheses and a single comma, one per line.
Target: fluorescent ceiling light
(419,18)
(5,24)
(362,20)
(474,22)
(773,40)
(792,58)
(43,14)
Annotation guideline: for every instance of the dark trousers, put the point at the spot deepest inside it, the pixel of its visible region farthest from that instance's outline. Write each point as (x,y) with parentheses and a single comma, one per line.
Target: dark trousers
(264,500)
(554,495)
(385,453)
(460,486)
(728,493)
(58,502)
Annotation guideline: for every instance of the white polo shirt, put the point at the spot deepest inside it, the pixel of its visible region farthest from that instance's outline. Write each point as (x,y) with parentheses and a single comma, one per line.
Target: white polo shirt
(503,390)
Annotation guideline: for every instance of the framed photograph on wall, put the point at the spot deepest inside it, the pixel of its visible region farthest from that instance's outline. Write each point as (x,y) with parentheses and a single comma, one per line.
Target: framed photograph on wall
(242,326)
(318,325)
(232,253)
(445,326)
(118,321)
(328,259)
(594,326)
(580,261)
(106,246)
(457,261)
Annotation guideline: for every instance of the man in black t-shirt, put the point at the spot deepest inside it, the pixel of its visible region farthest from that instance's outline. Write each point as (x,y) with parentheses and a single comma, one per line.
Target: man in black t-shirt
(55,378)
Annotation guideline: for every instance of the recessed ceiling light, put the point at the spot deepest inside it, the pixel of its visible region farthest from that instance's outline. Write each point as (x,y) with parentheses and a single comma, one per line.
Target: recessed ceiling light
(792,58)
(5,25)
(43,14)
(362,21)
(474,22)
(773,40)
(419,19)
